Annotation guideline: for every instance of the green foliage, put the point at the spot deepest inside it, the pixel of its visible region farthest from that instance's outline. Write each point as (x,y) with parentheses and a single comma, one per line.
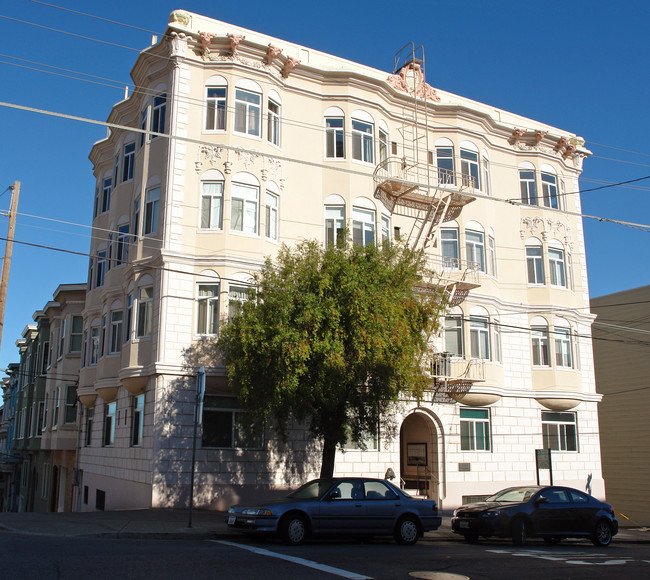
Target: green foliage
(332,336)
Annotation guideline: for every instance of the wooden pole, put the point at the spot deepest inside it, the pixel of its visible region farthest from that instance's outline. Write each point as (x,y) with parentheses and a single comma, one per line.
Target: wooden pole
(6,264)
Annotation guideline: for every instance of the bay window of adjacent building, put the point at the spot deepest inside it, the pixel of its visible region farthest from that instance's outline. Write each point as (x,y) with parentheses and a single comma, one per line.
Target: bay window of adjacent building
(212,205)
(272,215)
(363,226)
(109,424)
(128,161)
(70,415)
(226,426)
(94,345)
(145,311)
(107,186)
(116,169)
(100,269)
(76,332)
(363,144)
(244,203)
(563,345)
(445,162)
(559,431)
(449,247)
(115,340)
(151,204)
(549,190)
(144,116)
(207,309)
(121,245)
(535,262)
(137,421)
(248,108)
(273,119)
(62,339)
(334,224)
(475,429)
(158,112)
(469,166)
(334,134)
(136,218)
(540,343)
(129,317)
(556,267)
(479,331)
(216,104)
(475,249)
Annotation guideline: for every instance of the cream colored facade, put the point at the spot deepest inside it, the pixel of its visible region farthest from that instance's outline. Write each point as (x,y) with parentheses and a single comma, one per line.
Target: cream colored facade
(622,371)
(267,142)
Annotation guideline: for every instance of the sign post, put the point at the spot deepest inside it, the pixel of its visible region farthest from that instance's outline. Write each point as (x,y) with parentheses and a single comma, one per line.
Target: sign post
(543,461)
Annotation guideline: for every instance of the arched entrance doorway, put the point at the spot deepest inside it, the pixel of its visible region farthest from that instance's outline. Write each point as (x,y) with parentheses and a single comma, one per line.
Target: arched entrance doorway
(420,455)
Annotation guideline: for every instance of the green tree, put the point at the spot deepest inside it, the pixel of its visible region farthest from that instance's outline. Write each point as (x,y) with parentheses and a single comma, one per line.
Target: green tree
(331,337)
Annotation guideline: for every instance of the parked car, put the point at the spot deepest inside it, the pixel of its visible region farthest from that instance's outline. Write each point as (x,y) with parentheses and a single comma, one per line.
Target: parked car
(551,512)
(339,506)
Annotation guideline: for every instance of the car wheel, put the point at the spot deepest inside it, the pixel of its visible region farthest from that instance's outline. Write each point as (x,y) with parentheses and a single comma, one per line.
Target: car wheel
(519,532)
(407,531)
(602,534)
(293,529)
(552,541)
(471,538)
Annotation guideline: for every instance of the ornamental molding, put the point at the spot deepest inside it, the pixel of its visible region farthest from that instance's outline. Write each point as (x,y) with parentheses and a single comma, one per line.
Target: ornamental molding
(420,88)
(179,17)
(546,228)
(271,53)
(178,43)
(205,38)
(566,147)
(235,41)
(246,157)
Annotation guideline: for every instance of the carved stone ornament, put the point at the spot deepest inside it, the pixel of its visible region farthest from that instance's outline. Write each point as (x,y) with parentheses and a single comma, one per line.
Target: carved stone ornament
(271,53)
(561,143)
(275,167)
(517,134)
(211,153)
(421,89)
(539,135)
(178,44)
(538,226)
(180,17)
(205,38)
(246,158)
(235,41)
(289,65)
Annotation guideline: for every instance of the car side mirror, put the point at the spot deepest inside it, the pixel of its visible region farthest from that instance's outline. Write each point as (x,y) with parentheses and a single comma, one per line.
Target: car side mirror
(336,494)
(540,500)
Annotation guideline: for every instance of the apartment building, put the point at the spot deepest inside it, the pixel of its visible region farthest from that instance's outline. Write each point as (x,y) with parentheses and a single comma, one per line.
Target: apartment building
(241,142)
(622,371)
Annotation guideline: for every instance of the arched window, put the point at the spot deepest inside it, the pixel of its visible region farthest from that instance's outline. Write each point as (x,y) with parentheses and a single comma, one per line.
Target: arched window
(479,333)
(469,165)
(334,219)
(207,303)
(272,216)
(334,133)
(363,131)
(364,215)
(273,107)
(527,183)
(211,214)
(244,202)
(549,187)
(535,261)
(216,103)
(445,161)
(563,338)
(540,342)
(557,264)
(248,108)
(475,245)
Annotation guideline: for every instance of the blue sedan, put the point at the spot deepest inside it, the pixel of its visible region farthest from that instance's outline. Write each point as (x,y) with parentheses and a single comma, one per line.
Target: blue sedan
(350,505)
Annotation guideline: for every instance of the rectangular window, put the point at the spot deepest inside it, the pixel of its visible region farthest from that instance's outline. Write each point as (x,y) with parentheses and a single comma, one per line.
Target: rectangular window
(46,481)
(46,357)
(363,226)
(273,122)
(109,424)
(454,335)
(445,163)
(225,425)
(94,345)
(121,245)
(116,170)
(449,247)
(151,202)
(479,332)
(84,350)
(383,146)
(158,112)
(556,267)
(129,317)
(272,215)
(145,311)
(563,347)
(385,229)
(62,339)
(115,344)
(237,295)
(100,269)
(528,187)
(57,405)
(334,224)
(215,118)
(362,141)
(76,333)
(535,264)
(90,413)
(97,200)
(559,431)
(244,204)
(212,205)
(486,175)
(492,256)
(106,194)
(539,336)
(334,138)
(136,218)
(138,421)
(247,112)
(207,303)
(469,169)
(143,126)
(40,425)
(549,190)
(475,429)
(496,328)
(102,337)
(70,404)
(128,160)
(475,247)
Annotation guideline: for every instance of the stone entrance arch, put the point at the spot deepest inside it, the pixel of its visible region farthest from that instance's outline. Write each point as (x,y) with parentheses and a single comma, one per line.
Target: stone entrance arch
(420,455)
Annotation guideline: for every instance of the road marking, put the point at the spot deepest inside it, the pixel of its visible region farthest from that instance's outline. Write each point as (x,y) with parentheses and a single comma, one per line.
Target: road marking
(293,559)
(568,557)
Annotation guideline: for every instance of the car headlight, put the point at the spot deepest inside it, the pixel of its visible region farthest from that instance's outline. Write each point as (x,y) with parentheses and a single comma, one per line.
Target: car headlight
(231,510)
(256,512)
(491,514)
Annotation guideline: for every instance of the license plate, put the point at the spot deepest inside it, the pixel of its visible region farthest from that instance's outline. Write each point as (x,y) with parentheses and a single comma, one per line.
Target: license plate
(464,524)
(232,520)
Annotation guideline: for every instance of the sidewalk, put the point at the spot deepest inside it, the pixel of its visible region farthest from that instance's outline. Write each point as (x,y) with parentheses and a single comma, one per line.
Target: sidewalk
(172,524)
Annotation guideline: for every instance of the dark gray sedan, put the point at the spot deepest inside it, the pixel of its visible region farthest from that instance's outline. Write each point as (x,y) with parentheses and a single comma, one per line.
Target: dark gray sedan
(347,505)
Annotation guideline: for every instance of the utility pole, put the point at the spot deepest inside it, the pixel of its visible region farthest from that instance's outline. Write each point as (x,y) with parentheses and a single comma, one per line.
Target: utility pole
(6,264)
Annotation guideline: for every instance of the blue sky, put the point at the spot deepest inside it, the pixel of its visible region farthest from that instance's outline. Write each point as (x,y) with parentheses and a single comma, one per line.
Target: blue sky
(580,66)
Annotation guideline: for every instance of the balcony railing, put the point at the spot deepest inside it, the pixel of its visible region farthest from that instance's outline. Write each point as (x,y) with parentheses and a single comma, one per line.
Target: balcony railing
(455,369)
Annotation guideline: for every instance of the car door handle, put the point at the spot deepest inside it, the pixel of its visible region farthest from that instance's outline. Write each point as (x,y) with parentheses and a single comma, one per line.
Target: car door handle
(358,505)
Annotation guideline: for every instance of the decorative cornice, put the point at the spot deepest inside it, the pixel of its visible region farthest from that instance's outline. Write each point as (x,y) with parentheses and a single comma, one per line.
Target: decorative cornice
(543,227)
(271,53)
(235,41)
(289,65)
(421,89)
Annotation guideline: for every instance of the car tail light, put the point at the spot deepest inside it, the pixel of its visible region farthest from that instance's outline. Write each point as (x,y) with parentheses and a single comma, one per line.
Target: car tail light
(435,509)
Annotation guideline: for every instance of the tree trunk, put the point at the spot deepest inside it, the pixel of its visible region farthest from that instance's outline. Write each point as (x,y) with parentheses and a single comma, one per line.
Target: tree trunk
(329,455)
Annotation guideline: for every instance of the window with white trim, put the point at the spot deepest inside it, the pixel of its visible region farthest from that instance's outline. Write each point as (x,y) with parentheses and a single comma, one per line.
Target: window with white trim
(496,343)
(237,296)
(445,164)
(211,205)
(151,203)
(469,169)
(115,341)
(129,317)
(475,429)
(75,334)
(528,186)
(247,112)
(272,215)
(273,122)
(479,334)
(363,226)
(116,169)
(225,426)
(62,339)
(136,218)
(475,247)
(556,267)
(454,335)
(107,186)
(385,229)
(128,161)
(563,347)
(449,247)
(158,112)
(121,245)
(100,269)
(549,190)
(244,208)
(485,180)
(144,116)
(109,423)
(102,337)
(207,309)
(540,343)
(492,255)
(334,224)
(334,138)
(362,141)
(137,422)
(216,107)
(70,415)
(535,264)
(145,311)
(94,345)
(383,145)
(559,431)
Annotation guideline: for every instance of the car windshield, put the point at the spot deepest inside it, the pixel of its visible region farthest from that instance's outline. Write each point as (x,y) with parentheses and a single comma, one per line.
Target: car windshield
(513,494)
(311,490)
